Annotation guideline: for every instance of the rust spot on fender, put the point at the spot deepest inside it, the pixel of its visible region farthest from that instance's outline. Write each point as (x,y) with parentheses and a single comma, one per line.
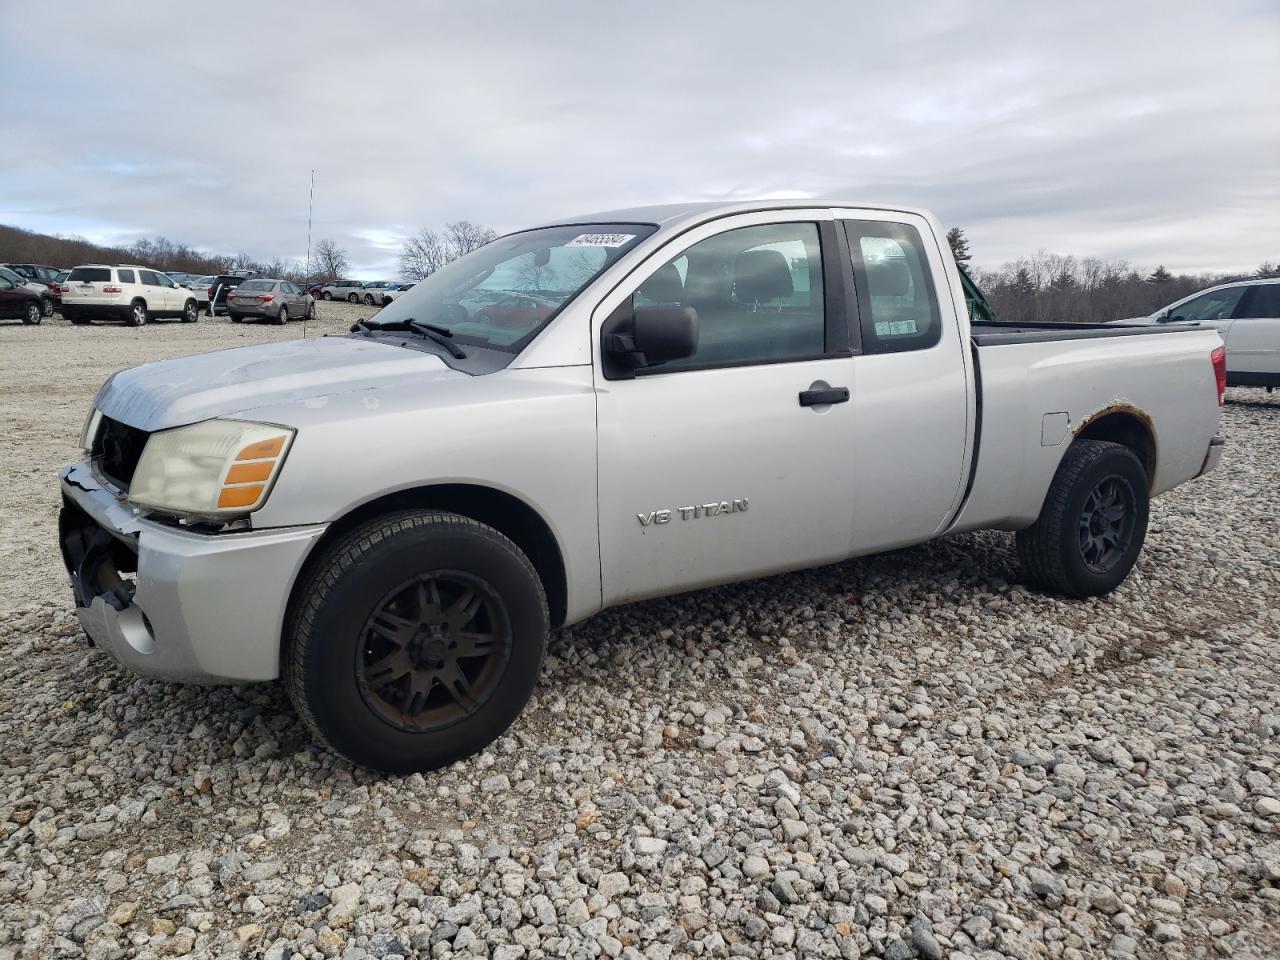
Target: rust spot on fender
(1118,406)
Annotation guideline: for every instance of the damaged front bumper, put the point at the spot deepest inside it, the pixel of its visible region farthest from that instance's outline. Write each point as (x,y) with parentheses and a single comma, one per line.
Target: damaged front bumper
(171,602)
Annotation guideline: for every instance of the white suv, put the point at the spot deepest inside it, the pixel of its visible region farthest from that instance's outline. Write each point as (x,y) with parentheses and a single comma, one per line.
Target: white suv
(127,292)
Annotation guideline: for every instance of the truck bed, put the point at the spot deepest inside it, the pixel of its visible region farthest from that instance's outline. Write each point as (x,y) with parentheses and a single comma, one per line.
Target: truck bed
(997,333)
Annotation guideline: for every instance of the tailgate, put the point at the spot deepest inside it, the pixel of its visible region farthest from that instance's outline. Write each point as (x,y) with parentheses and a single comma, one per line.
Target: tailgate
(90,285)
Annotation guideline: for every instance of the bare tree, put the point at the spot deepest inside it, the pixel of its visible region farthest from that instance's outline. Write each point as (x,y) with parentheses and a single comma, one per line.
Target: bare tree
(423,254)
(463,236)
(330,259)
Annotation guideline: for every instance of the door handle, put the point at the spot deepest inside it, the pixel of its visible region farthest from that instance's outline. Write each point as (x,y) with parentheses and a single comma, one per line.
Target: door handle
(828,395)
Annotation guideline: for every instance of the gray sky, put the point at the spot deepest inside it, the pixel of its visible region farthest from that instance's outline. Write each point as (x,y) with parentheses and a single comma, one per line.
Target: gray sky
(1149,131)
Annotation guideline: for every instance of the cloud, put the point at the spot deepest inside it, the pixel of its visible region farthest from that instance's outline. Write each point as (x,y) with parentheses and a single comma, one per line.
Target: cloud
(1144,131)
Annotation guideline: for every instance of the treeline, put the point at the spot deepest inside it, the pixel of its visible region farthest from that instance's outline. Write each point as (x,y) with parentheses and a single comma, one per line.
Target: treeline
(27,246)
(1051,286)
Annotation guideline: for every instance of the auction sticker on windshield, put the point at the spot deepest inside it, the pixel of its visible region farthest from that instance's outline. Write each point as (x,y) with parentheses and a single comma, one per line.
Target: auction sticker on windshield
(601,240)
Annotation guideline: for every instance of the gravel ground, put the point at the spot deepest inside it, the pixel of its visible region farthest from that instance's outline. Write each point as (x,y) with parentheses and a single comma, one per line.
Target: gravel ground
(906,756)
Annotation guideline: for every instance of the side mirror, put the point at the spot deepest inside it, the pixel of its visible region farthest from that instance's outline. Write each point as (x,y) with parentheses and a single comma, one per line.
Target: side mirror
(645,336)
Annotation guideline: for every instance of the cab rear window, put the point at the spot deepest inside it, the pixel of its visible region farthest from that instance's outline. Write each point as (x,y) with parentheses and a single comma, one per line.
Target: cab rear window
(90,274)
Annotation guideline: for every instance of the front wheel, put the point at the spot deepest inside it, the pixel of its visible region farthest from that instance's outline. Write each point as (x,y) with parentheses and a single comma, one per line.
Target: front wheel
(1093,522)
(33,315)
(368,299)
(415,641)
(327,295)
(353,298)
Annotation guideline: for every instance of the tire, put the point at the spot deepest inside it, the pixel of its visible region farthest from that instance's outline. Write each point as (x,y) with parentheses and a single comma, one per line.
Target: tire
(137,315)
(368,299)
(46,306)
(235,317)
(190,312)
(282,317)
(75,319)
(311,311)
(338,665)
(33,314)
(326,294)
(1093,522)
(353,298)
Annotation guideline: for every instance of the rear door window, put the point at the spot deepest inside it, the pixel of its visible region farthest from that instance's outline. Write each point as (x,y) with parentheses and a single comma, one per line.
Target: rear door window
(897,305)
(1263,301)
(90,275)
(125,276)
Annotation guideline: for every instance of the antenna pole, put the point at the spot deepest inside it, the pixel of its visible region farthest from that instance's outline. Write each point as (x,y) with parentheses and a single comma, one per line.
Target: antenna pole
(310,203)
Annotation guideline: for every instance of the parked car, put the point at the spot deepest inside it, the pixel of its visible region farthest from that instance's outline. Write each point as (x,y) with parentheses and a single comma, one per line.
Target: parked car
(516,310)
(200,287)
(37,279)
(55,289)
(393,291)
(277,300)
(349,290)
(373,291)
(128,292)
(41,290)
(1247,314)
(315,288)
(395,519)
(20,301)
(218,289)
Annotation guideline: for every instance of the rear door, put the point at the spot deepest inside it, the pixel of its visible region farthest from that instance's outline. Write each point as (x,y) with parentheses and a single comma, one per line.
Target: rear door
(1253,342)
(13,299)
(912,396)
(719,467)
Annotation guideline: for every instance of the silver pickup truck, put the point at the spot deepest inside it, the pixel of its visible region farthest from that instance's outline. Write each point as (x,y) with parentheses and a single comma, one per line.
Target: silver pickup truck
(607,408)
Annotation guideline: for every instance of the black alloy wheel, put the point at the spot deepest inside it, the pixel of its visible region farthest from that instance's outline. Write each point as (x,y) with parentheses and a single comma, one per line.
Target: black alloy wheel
(1107,523)
(433,651)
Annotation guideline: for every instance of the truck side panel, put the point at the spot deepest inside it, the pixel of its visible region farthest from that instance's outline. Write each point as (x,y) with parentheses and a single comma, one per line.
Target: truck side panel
(1167,382)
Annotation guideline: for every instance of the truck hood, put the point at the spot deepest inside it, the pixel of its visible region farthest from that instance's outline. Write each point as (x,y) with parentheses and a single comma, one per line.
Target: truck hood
(170,393)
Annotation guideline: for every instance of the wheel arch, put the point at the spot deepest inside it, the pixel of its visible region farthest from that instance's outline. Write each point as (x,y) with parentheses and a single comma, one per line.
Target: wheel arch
(506,513)
(1128,426)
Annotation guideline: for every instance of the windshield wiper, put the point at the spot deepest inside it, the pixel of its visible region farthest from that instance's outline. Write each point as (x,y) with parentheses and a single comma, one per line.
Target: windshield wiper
(437,334)
(441,335)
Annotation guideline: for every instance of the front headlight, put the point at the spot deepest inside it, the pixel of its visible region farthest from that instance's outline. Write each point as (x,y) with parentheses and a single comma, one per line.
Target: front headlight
(217,468)
(90,430)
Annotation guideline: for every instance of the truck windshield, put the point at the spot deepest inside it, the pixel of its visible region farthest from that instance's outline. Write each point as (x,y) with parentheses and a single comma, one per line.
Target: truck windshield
(502,294)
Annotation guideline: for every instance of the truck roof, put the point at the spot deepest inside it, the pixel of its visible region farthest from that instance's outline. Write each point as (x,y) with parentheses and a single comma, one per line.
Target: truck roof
(686,214)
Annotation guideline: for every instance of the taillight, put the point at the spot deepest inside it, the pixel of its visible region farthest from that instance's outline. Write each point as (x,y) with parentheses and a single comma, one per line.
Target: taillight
(113,289)
(209,291)
(266,298)
(1219,358)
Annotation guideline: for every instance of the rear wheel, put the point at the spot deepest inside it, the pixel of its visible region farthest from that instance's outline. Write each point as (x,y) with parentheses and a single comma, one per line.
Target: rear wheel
(190,312)
(33,315)
(311,310)
(416,640)
(137,316)
(1093,522)
(283,316)
(235,317)
(75,319)
(46,306)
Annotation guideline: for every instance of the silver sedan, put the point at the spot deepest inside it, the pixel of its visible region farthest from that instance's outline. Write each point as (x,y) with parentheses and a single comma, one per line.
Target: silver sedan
(276,300)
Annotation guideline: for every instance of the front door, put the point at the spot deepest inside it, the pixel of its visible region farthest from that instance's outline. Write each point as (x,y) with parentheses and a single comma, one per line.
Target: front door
(736,461)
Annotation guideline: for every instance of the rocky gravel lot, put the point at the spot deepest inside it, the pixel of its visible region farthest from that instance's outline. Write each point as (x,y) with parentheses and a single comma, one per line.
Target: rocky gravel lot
(906,756)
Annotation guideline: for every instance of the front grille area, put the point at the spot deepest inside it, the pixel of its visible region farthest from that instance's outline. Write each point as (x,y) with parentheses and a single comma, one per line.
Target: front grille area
(117,449)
